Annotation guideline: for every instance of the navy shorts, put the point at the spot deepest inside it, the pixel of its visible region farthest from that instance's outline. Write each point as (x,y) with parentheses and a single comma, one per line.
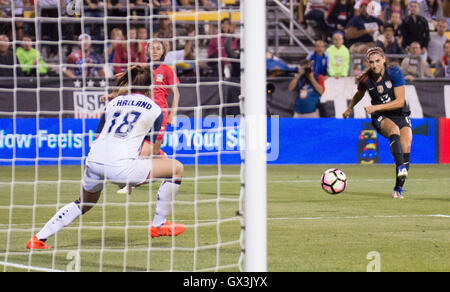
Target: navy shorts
(400,120)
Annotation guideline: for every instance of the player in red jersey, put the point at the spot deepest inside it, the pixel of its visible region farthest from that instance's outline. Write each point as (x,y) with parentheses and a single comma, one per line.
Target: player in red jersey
(164,79)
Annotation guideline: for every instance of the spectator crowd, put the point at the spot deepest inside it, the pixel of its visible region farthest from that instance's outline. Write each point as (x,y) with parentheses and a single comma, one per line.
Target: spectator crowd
(101,38)
(414,34)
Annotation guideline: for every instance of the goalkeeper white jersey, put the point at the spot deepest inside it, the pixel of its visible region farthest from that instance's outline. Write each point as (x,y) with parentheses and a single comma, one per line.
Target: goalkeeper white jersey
(128,119)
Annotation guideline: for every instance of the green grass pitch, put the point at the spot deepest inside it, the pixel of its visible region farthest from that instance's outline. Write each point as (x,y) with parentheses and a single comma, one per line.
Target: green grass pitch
(308,230)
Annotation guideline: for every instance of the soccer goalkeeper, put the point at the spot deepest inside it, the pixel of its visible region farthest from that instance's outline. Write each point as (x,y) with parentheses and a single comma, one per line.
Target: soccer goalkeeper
(114,157)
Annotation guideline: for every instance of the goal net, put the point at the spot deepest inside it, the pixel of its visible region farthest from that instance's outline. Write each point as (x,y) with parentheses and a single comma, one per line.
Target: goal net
(61,58)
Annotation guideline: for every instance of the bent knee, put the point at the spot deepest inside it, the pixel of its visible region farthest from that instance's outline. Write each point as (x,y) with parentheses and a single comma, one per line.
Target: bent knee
(179,169)
(393,130)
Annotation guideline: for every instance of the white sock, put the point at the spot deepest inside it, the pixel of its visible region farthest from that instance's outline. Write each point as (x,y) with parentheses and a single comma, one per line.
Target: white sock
(61,219)
(166,194)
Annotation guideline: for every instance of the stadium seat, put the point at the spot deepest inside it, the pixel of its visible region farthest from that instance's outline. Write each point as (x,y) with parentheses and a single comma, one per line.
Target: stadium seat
(203,16)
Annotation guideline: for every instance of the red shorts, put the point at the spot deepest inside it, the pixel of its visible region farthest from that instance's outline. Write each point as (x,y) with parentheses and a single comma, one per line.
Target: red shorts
(162,131)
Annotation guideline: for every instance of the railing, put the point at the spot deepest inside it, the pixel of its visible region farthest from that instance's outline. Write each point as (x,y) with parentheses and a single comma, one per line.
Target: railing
(288,13)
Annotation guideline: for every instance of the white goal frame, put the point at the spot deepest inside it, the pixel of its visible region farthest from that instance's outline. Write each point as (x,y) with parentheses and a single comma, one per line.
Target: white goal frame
(255,131)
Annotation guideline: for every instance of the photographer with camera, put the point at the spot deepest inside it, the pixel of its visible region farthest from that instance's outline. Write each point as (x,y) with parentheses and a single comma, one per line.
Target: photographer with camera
(309,87)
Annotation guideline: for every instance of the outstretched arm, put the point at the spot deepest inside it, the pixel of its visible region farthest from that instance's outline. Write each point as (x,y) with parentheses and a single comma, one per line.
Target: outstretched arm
(356,98)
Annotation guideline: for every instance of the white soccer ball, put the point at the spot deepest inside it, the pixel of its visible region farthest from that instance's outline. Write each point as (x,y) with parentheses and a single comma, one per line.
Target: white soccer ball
(333,181)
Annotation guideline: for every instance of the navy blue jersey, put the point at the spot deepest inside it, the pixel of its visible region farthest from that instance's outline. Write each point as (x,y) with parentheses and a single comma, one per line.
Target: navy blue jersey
(383,91)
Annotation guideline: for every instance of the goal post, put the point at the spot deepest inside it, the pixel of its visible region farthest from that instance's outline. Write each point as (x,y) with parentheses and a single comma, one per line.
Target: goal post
(255,129)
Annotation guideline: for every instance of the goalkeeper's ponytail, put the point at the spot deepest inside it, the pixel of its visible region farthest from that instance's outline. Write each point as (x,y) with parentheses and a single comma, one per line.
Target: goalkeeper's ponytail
(139,77)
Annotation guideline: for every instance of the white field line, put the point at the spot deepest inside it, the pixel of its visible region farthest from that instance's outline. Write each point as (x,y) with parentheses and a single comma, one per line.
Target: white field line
(359,217)
(29,268)
(145,224)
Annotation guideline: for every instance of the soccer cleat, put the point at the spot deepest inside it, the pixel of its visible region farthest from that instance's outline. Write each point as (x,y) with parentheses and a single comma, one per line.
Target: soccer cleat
(397,194)
(35,243)
(126,190)
(402,172)
(167,229)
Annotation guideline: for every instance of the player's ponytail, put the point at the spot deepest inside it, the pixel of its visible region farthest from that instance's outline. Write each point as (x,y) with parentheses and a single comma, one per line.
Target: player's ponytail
(139,77)
(363,75)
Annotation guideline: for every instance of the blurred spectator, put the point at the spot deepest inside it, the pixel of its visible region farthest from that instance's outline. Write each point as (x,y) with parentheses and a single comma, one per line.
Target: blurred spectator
(396,21)
(50,30)
(116,35)
(316,12)
(413,66)
(338,57)
(395,6)
(390,44)
(180,59)
(136,52)
(275,66)
(361,29)
(30,59)
(432,13)
(320,65)
(164,28)
(82,62)
(232,48)
(421,4)
(339,14)
(117,7)
(442,67)
(446,8)
(162,5)
(141,33)
(7,58)
(142,37)
(309,87)
(142,7)
(216,48)
(300,11)
(203,3)
(437,41)
(6,28)
(94,8)
(373,8)
(414,28)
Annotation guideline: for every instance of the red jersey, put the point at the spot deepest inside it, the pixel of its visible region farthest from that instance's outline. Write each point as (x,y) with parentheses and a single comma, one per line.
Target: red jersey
(164,75)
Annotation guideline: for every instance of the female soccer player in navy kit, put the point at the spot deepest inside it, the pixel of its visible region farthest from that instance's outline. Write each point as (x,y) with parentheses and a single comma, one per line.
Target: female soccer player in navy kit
(389,110)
